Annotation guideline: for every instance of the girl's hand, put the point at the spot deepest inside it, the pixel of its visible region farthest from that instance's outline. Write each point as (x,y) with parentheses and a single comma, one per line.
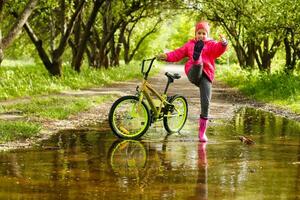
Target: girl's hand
(161,57)
(223,39)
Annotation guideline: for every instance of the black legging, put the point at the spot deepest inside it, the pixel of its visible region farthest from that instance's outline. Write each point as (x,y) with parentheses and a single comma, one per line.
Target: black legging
(200,79)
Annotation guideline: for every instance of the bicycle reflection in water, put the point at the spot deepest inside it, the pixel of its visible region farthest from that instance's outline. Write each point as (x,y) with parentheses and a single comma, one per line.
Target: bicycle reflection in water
(139,166)
(130,161)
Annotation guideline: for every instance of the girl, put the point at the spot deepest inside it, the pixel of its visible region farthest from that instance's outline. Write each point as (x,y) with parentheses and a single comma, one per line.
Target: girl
(200,67)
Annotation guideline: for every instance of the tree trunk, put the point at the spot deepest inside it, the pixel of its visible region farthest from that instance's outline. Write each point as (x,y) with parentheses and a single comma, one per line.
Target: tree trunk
(240,55)
(250,56)
(64,39)
(266,63)
(39,47)
(22,19)
(113,55)
(1,55)
(126,52)
(89,56)
(62,17)
(1,51)
(78,27)
(58,52)
(86,35)
(74,44)
(92,49)
(290,54)
(265,54)
(1,6)
(56,63)
(52,67)
(17,27)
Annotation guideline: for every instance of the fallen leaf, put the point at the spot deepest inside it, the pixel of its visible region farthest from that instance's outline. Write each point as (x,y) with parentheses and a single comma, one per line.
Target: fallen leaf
(246,140)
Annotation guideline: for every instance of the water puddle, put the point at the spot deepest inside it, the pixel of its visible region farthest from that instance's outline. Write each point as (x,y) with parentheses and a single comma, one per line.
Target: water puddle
(95,165)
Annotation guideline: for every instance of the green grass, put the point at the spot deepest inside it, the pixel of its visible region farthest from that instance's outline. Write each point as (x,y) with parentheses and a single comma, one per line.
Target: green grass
(56,107)
(17,130)
(276,88)
(33,80)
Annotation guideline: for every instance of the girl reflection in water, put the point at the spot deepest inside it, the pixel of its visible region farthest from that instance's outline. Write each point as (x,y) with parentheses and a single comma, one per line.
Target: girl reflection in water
(201,190)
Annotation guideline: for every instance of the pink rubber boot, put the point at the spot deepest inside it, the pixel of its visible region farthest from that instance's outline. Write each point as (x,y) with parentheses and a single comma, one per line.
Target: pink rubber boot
(202,129)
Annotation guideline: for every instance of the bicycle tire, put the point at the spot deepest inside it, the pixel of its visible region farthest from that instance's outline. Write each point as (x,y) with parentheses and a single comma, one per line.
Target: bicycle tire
(126,121)
(174,121)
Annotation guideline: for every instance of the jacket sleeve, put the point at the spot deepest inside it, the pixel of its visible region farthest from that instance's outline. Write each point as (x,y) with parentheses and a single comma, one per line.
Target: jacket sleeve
(217,48)
(177,54)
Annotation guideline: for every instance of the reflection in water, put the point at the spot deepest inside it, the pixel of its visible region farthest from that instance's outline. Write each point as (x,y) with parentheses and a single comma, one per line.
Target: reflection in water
(92,165)
(127,156)
(257,122)
(127,160)
(144,166)
(201,190)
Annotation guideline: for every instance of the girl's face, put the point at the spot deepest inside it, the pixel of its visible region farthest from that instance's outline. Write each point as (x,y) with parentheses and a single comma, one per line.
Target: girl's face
(201,34)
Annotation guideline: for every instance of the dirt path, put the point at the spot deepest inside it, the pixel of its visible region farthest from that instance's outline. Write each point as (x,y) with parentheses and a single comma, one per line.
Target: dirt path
(224,102)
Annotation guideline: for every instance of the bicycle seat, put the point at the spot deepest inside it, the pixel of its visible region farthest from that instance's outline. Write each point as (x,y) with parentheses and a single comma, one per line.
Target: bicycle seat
(172,76)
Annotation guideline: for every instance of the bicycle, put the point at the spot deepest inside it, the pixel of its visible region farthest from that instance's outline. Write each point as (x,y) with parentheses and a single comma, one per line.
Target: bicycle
(131,116)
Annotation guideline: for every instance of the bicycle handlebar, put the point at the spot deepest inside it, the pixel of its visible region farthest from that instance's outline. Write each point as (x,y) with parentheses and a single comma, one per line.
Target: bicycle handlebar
(149,68)
(150,59)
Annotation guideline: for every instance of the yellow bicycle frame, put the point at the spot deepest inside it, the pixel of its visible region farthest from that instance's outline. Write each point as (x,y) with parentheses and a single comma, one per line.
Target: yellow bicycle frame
(146,91)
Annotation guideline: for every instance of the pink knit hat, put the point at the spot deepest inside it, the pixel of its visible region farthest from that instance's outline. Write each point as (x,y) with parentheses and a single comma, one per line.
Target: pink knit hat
(202,25)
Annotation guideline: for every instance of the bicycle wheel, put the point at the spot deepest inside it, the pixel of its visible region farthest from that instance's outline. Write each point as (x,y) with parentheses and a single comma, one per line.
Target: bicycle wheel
(175,118)
(129,118)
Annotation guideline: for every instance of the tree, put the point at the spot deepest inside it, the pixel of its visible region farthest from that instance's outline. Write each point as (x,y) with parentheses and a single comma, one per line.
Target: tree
(131,45)
(113,14)
(53,65)
(17,27)
(288,17)
(77,61)
(113,26)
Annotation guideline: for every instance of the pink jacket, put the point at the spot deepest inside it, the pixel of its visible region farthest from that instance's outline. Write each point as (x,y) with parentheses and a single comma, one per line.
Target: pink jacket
(210,52)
